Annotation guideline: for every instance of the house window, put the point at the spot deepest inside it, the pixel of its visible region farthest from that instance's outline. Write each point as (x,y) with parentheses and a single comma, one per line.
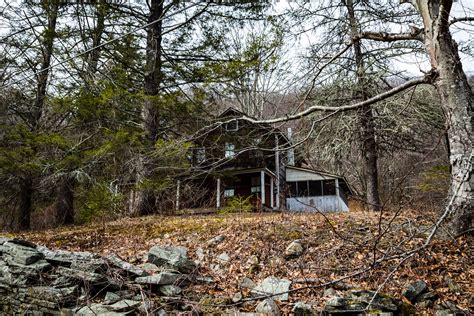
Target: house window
(200,155)
(229,192)
(329,187)
(232,126)
(315,188)
(229,150)
(302,188)
(255,185)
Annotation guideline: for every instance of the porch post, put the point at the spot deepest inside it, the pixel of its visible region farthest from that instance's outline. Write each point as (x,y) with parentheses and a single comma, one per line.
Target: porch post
(218,198)
(178,187)
(271,193)
(262,186)
(337,194)
(277,172)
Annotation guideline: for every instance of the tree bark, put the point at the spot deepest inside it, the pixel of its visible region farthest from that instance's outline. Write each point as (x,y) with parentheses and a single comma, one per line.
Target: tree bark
(457,102)
(146,200)
(25,203)
(369,144)
(26,184)
(64,208)
(65,201)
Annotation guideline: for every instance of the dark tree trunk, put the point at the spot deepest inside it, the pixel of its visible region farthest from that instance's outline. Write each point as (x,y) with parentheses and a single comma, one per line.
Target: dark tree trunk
(146,200)
(26,184)
(65,201)
(25,203)
(65,193)
(457,102)
(369,145)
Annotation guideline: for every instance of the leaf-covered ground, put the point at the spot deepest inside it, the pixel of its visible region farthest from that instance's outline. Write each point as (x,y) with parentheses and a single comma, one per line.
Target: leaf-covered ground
(336,245)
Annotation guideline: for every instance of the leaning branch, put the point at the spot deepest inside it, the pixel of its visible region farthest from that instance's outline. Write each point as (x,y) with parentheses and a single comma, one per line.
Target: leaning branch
(414,34)
(463,19)
(429,78)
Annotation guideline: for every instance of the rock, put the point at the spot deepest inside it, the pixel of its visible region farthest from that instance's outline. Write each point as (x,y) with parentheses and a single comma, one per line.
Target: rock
(336,301)
(150,268)
(130,268)
(64,257)
(268,307)
(272,286)
(124,306)
(329,292)
(302,309)
(21,253)
(92,265)
(204,279)
(246,283)
(216,240)
(414,289)
(95,309)
(170,290)
(162,278)
(85,276)
(223,257)
(377,301)
(200,254)
(428,296)
(171,257)
(237,297)
(294,249)
(453,286)
(111,297)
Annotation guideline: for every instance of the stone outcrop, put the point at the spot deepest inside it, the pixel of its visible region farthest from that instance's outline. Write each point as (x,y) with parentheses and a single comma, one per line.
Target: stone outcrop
(35,279)
(361,302)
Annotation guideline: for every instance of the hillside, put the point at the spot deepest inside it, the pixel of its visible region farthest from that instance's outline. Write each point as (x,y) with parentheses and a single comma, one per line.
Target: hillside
(253,246)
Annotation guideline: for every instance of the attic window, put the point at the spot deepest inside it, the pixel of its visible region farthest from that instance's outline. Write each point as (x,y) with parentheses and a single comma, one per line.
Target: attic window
(229,150)
(232,126)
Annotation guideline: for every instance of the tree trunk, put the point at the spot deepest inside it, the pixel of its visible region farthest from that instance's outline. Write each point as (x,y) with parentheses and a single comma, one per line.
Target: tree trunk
(369,145)
(146,200)
(65,201)
(25,203)
(457,102)
(26,184)
(65,193)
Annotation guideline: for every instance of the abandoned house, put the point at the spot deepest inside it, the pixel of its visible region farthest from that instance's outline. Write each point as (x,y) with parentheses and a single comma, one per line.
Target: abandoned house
(256,161)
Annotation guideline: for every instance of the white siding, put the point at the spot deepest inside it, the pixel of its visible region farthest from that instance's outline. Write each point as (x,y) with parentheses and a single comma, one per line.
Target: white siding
(328,203)
(301,175)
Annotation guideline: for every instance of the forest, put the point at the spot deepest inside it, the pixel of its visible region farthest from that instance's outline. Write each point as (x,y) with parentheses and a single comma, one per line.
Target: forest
(114,139)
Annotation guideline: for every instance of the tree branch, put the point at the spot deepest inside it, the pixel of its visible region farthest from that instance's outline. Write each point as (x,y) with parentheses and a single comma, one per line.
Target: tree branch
(414,34)
(429,78)
(463,19)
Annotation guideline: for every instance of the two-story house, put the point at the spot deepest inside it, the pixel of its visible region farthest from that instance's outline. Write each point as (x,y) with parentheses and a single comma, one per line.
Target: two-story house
(240,158)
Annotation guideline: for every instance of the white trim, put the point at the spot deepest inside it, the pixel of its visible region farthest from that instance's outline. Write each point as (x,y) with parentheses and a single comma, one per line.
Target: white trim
(262,185)
(218,197)
(271,192)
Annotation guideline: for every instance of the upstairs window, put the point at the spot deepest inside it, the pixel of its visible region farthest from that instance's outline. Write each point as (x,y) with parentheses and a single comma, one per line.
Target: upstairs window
(232,126)
(229,150)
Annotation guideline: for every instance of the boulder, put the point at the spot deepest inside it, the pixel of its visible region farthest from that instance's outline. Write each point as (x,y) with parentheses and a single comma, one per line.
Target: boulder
(21,253)
(294,249)
(171,257)
(130,268)
(124,306)
(85,276)
(162,278)
(414,289)
(302,309)
(246,283)
(223,257)
(216,240)
(170,290)
(268,307)
(277,288)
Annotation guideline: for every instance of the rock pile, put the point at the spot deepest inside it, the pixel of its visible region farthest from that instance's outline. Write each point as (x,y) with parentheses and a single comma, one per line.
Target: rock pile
(35,279)
(361,302)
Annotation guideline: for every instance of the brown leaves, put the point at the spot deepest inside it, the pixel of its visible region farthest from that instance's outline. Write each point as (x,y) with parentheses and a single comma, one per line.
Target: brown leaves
(256,243)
